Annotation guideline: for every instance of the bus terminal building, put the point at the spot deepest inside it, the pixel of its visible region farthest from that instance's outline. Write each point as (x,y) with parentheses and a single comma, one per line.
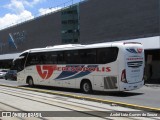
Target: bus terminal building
(87,22)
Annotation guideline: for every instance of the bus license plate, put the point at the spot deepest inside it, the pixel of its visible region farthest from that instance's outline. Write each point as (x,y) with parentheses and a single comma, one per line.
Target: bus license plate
(135,86)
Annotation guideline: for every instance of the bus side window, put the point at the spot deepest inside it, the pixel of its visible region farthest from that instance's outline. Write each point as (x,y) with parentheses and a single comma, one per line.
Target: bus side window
(33,59)
(71,57)
(53,58)
(83,56)
(107,55)
(42,58)
(60,57)
(91,55)
(49,58)
(88,56)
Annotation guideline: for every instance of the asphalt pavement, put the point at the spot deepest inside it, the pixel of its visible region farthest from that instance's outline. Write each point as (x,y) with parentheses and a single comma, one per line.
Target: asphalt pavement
(147,96)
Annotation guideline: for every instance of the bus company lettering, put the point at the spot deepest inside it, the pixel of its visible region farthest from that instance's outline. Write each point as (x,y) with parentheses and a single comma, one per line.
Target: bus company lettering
(84,69)
(45,71)
(134,58)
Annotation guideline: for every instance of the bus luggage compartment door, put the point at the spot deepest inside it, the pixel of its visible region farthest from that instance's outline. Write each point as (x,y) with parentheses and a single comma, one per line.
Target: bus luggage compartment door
(98,83)
(105,83)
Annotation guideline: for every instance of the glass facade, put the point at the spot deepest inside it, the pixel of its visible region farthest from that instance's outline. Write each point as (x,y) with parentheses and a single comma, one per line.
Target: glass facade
(70,24)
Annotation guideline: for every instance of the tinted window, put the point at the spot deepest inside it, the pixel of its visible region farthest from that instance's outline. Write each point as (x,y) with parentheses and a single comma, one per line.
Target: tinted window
(23,60)
(106,55)
(41,58)
(87,56)
(84,56)
(53,58)
(60,57)
(72,57)
(33,59)
(19,63)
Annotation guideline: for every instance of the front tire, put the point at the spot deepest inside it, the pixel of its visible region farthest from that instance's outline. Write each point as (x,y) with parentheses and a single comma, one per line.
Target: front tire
(30,82)
(86,87)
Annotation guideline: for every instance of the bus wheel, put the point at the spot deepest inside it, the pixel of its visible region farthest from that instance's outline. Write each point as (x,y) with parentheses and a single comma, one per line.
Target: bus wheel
(30,82)
(86,87)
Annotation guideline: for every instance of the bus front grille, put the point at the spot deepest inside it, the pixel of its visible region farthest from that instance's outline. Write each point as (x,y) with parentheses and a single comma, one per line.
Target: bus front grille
(110,82)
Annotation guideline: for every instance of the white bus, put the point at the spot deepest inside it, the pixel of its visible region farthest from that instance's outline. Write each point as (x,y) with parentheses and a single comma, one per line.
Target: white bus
(100,67)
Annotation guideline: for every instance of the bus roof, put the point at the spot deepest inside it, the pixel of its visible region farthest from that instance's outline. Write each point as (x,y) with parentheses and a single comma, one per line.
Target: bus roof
(77,46)
(69,47)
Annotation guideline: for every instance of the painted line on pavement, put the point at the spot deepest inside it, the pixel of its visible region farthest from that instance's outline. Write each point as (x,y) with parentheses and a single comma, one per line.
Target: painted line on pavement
(139,107)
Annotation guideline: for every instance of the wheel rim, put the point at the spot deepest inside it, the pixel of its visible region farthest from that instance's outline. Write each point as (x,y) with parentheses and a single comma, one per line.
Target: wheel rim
(86,87)
(30,82)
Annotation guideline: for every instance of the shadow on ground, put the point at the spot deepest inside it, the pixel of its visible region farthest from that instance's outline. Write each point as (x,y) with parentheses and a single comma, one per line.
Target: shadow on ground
(77,91)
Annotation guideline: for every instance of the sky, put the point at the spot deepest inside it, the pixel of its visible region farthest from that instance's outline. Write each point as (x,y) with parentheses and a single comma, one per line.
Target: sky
(16,11)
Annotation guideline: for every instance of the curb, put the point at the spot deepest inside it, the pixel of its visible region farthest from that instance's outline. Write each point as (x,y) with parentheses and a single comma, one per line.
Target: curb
(152,85)
(133,106)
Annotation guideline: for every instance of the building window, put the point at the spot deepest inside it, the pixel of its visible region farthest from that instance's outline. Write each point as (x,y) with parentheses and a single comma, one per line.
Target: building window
(70,25)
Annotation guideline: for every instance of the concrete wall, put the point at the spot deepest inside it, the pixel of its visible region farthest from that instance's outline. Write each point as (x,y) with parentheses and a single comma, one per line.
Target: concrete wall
(108,20)
(41,32)
(100,21)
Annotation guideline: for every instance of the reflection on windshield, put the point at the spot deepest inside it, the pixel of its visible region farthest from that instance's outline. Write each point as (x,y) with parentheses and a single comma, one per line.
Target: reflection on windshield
(18,64)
